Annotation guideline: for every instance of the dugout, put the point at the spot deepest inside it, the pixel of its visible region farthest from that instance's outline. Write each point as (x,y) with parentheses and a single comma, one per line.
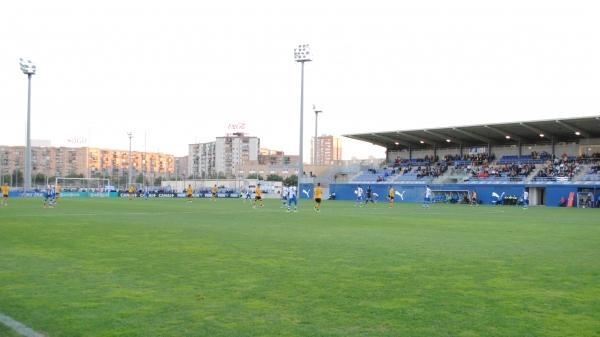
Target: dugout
(451,196)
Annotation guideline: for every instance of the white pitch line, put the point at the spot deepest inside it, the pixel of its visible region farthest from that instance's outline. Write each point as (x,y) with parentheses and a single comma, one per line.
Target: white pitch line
(23,330)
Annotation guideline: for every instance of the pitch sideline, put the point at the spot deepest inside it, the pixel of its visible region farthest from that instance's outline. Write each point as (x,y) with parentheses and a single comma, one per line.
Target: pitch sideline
(21,329)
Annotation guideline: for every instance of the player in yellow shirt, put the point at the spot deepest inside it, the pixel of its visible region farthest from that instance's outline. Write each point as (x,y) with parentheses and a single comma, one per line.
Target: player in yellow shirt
(213,192)
(188,192)
(57,189)
(257,197)
(318,194)
(391,193)
(5,190)
(131,191)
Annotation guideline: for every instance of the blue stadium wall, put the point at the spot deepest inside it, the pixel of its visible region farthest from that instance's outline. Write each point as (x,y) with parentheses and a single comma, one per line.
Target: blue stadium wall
(486,193)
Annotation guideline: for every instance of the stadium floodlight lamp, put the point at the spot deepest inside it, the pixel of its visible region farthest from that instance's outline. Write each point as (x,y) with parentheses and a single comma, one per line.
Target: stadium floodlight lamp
(302,53)
(28,68)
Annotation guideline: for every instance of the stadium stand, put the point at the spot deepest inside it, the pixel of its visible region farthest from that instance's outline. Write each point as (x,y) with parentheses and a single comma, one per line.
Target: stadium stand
(554,159)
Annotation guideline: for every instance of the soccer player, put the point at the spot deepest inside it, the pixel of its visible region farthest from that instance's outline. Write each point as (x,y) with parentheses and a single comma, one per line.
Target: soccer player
(318,193)
(213,192)
(369,195)
(474,198)
(428,195)
(525,198)
(285,191)
(57,189)
(131,191)
(292,198)
(189,192)
(391,193)
(257,197)
(359,196)
(49,197)
(248,194)
(5,190)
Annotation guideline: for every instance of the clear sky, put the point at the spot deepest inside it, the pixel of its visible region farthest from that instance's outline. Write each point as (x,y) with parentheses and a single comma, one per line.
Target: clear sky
(181,72)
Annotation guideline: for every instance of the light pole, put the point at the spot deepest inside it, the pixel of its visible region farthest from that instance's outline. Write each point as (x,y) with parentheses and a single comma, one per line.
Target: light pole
(301,54)
(28,68)
(1,166)
(317,112)
(129,161)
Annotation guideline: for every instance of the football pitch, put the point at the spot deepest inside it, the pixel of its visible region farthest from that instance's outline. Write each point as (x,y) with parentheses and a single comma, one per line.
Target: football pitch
(166,267)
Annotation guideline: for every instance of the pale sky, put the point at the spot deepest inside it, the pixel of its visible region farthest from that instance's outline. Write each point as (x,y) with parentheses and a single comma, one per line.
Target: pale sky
(180,72)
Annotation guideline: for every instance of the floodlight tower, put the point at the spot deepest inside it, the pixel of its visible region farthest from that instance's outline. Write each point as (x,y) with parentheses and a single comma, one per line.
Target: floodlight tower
(28,68)
(317,112)
(129,161)
(301,54)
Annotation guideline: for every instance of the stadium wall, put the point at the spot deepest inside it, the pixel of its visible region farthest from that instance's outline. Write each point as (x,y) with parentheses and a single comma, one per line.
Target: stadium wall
(548,194)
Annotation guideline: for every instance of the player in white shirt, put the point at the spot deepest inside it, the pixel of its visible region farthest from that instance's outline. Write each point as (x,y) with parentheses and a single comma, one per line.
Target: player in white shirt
(248,194)
(428,196)
(285,191)
(526,198)
(291,199)
(359,196)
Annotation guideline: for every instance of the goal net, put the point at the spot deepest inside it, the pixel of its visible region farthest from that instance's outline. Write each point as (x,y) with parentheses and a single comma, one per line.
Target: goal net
(83,184)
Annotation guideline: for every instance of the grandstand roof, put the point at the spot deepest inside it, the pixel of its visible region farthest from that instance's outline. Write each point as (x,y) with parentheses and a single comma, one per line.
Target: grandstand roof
(554,130)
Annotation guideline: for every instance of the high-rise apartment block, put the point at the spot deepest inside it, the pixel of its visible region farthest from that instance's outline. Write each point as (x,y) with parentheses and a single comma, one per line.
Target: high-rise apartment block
(329,150)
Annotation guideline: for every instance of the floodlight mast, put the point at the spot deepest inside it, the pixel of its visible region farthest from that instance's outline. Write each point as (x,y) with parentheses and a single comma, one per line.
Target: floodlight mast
(301,54)
(28,68)
(129,182)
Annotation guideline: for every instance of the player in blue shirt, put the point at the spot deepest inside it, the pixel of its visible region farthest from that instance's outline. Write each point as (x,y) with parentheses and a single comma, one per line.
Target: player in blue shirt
(49,197)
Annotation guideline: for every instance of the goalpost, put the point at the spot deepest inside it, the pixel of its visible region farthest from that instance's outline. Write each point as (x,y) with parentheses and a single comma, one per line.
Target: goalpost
(83,184)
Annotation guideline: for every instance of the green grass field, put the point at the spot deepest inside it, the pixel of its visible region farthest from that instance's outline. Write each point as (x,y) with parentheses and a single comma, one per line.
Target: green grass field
(165,267)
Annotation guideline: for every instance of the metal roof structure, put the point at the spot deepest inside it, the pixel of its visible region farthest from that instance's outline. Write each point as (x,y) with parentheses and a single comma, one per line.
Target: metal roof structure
(531,132)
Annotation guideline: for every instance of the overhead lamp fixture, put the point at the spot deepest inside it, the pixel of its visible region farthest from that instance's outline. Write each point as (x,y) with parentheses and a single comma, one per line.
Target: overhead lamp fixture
(577,133)
(448,141)
(27,67)
(541,135)
(396,143)
(507,137)
(422,142)
(302,53)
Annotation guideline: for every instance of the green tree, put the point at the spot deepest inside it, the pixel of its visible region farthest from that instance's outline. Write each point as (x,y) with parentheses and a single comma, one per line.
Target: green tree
(291,180)
(39,179)
(254,176)
(18,177)
(274,177)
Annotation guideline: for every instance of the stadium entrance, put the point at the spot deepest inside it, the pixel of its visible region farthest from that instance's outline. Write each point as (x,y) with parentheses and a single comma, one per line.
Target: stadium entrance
(537,196)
